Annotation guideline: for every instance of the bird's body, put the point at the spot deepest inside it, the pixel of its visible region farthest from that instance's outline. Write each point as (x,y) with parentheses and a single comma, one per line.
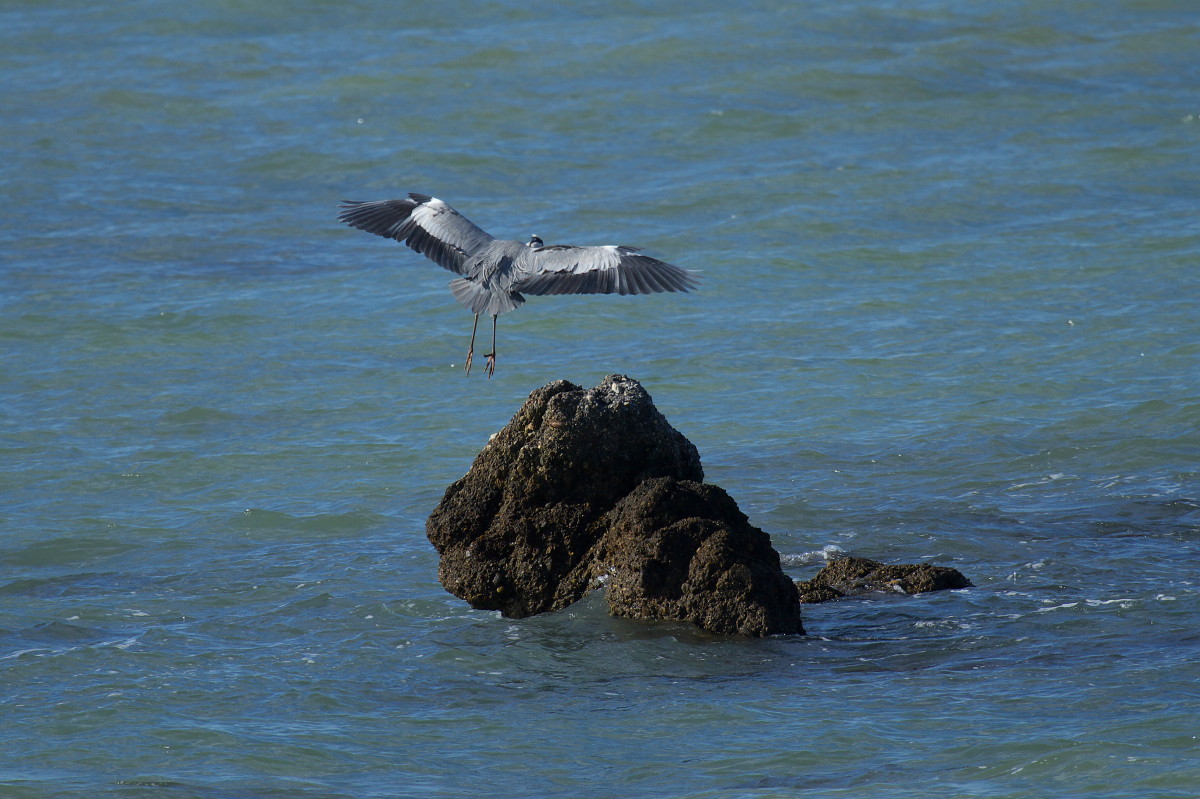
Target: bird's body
(495,273)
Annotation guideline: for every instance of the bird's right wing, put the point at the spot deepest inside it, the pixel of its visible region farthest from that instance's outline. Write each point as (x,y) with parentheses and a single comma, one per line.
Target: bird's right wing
(424,223)
(565,269)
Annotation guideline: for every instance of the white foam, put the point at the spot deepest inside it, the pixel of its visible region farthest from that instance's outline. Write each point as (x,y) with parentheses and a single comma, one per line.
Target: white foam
(1099,602)
(823,555)
(1063,606)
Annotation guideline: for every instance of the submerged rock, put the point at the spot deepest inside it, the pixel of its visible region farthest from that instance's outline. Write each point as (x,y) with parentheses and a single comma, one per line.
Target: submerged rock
(587,487)
(852,576)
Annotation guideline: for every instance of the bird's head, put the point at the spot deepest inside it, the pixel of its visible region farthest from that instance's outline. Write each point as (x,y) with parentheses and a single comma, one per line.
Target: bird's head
(534,241)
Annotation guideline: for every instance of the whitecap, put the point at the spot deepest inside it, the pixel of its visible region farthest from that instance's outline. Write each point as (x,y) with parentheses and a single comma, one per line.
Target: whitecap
(825,554)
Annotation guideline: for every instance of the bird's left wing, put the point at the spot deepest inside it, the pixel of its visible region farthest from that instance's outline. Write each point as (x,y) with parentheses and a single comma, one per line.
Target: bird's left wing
(424,223)
(610,269)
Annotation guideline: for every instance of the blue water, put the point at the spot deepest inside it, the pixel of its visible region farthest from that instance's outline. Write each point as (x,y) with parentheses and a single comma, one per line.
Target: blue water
(949,315)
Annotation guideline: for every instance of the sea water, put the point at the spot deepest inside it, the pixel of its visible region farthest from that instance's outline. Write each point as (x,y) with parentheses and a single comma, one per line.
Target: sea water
(948,315)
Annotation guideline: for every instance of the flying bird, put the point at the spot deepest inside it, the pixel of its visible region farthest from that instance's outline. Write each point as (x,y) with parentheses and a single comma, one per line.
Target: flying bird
(495,273)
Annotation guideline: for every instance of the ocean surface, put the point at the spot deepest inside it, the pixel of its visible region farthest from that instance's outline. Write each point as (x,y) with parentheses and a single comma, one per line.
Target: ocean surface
(950,314)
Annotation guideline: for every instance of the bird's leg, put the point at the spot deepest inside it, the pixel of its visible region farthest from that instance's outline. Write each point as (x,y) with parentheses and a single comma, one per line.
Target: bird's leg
(471,349)
(491,356)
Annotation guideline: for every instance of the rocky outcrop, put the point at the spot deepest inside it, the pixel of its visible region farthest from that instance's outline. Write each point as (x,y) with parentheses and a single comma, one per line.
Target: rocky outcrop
(852,576)
(683,550)
(591,487)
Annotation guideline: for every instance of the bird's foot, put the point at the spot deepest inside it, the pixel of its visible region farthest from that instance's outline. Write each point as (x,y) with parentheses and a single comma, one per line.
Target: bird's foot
(470,355)
(491,364)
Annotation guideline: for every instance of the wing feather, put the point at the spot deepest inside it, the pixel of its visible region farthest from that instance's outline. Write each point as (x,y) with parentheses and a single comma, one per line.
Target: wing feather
(563,269)
(426,224)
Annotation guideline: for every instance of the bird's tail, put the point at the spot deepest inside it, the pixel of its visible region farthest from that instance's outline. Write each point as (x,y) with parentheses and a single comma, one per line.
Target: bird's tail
(478,299)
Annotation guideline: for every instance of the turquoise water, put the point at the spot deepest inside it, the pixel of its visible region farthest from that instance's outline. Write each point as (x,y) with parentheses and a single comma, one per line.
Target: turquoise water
(948,315)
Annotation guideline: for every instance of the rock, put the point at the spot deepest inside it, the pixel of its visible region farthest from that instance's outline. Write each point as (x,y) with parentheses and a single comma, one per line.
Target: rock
(852,576)
(516,533)
(583,488)
(682,550)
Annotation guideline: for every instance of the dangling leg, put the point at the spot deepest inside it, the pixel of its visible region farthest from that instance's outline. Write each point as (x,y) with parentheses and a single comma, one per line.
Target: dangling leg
(471,350)
(491,356)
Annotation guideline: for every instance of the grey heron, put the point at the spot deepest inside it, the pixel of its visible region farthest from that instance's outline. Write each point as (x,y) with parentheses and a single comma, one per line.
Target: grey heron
(494,273)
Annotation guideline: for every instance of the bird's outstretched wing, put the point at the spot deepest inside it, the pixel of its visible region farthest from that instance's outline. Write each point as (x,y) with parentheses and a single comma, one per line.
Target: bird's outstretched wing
(424,223)
(610,269)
